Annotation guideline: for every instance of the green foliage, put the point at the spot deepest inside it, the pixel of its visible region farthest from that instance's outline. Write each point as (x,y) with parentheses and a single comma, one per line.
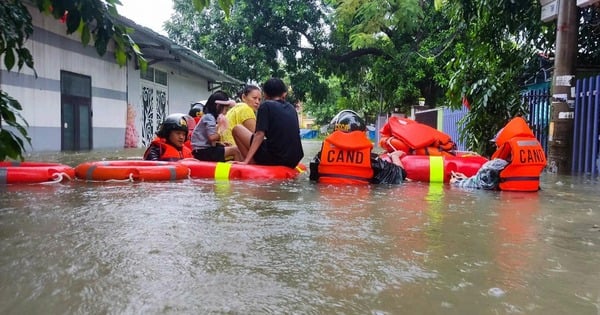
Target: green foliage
(407,45)
(258,40)
(93,19)
(15,23)
(16,27)
(496,40)
(11,143)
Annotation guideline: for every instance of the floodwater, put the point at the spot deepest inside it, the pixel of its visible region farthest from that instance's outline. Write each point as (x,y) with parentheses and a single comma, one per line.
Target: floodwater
(294,247)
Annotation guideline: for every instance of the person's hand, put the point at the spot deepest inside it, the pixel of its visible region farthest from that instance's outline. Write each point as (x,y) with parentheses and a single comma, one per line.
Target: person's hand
(457,177)
(398,154)
(240,162)
(395,157)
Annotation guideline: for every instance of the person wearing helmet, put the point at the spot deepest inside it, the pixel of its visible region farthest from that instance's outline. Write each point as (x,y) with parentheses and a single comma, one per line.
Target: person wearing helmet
(207,136)
(346,158)
(196,111)
(515,166)
(169,142)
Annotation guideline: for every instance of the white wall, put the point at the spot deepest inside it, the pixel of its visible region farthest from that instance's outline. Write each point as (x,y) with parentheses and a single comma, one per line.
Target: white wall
(53,51)
(185,90)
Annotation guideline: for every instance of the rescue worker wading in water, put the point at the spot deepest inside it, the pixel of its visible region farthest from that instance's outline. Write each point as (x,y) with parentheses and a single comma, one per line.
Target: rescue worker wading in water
(346,158)
(168,145)
(515,166)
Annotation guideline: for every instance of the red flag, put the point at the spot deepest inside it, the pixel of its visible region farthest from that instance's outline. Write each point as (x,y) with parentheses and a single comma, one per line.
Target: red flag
(465,103)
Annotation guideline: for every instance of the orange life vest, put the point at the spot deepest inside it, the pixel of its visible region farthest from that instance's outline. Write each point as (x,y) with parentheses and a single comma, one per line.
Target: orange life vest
(525,156)
(346,159)
(169,152)
(526,162)
(414,138)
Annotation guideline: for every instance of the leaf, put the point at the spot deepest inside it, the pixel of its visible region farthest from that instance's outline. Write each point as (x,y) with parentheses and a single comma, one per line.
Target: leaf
(73,21)
(121,56)
(85,34)
(438,4)
(9,59)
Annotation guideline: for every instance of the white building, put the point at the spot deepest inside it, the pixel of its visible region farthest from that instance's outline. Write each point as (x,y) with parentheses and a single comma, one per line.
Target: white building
(83,101)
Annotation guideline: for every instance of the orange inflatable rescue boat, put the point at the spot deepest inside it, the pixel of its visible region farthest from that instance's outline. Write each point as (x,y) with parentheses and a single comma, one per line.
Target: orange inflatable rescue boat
(226,171)
(438,169)
(135,170)
(34,172)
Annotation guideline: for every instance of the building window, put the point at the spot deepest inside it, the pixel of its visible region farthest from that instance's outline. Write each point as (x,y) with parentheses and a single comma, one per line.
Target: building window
(154,75)
(147,75)
(160,77)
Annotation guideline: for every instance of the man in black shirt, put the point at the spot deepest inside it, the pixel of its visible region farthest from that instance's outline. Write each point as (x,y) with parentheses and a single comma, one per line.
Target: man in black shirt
(277,137)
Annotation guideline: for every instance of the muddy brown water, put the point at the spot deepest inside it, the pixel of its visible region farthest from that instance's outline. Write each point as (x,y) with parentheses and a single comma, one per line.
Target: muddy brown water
(294,247)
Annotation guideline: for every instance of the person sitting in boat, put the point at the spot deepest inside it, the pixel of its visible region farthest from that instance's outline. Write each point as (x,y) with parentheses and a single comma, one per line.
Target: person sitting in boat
(244,113)
(207,135)
(276,140)
(515,166)
(169,142)
(346,156)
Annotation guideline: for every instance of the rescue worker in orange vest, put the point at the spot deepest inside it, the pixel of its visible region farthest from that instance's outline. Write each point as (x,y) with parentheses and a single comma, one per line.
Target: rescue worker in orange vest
(169,143)
(526,158)
(346,158)
(515,166)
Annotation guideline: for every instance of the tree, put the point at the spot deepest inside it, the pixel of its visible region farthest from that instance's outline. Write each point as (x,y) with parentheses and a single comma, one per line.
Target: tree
(257,40)
(92,19)
(495,42)
(394,51)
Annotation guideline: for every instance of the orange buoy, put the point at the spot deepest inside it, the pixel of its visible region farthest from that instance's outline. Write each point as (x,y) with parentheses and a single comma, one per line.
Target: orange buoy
(225,170)
(34,172)
(131,170)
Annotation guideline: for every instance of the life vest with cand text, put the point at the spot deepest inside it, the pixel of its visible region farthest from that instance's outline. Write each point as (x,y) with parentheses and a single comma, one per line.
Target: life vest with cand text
(526,162)
(346,158)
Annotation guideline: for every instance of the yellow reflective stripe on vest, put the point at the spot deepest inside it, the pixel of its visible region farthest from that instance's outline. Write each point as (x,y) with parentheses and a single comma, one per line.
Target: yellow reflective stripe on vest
(222,170)
(436,169)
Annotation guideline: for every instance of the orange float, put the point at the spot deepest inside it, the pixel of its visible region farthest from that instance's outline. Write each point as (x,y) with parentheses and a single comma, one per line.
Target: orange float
(34,172)
(226,171)
(131,170)
(438,169)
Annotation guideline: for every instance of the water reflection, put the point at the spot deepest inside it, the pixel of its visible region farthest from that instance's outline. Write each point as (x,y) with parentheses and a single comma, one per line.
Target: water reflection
(203,246)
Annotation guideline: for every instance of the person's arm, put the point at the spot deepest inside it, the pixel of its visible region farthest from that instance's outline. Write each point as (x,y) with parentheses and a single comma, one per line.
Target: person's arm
(314,167)
(250,124)
(385,172)
(395,157)
(257,140)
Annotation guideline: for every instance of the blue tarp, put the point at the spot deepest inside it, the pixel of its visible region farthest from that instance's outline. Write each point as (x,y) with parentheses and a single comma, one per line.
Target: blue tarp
(308,133)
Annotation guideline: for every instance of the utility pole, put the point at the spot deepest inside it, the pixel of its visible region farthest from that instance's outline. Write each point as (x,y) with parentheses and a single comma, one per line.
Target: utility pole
(560,133)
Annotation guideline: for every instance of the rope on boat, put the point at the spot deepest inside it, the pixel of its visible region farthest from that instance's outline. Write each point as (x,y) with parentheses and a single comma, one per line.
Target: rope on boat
(129,179)
(57,178)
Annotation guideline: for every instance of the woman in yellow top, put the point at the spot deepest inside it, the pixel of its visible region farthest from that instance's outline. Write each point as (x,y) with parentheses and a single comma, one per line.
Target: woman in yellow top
(243,113)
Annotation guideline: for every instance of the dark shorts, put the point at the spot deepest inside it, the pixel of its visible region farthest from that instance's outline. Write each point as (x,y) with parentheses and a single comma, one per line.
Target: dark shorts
(263,156)
(215,154)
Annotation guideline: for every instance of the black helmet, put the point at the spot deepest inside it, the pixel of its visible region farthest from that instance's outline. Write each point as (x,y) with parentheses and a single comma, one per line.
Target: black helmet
(172,122)
(196,109)
(347,121)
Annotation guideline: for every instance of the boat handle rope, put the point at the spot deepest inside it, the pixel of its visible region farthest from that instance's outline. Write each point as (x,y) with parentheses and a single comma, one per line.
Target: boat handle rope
(57,178)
